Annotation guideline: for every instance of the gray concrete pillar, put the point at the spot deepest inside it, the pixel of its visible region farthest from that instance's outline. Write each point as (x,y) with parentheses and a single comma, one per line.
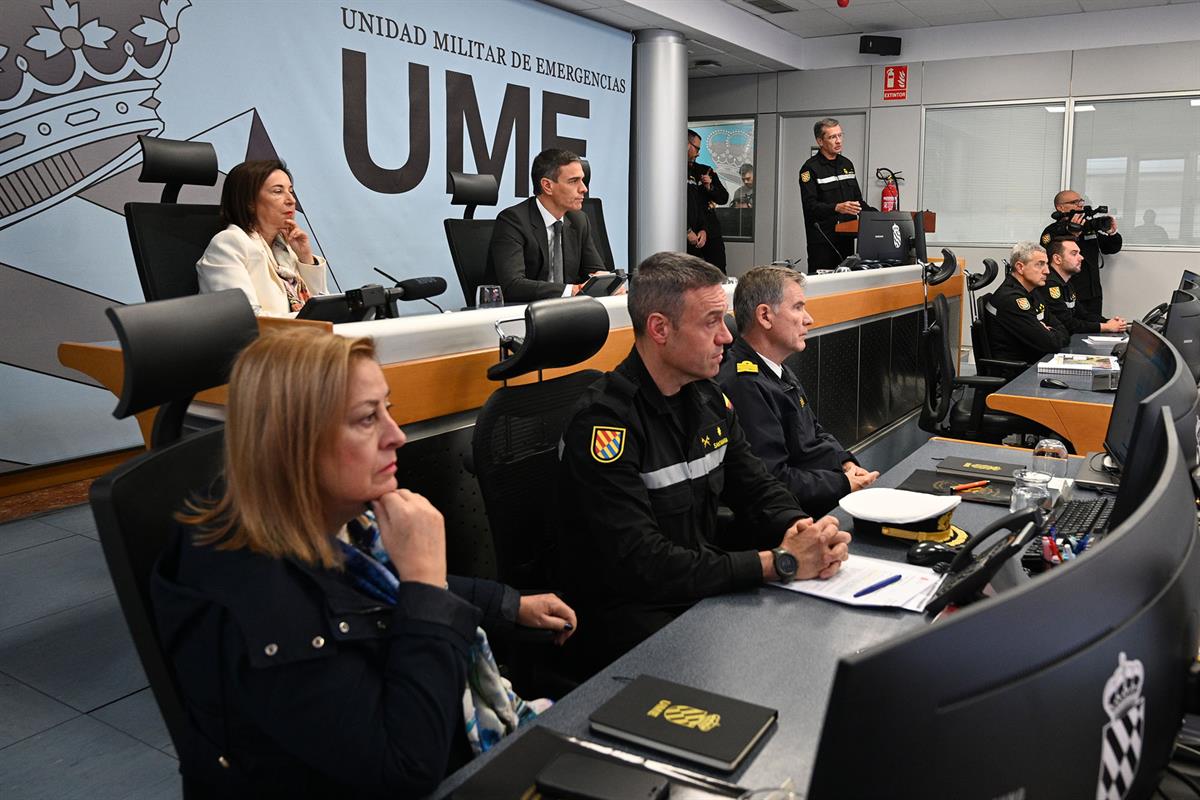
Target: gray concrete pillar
(658,196)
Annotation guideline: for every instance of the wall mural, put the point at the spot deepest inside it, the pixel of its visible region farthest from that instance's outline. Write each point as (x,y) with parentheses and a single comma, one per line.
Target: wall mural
(370,105)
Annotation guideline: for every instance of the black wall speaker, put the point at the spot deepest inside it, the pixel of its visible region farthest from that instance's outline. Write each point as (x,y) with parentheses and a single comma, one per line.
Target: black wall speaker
(879,45)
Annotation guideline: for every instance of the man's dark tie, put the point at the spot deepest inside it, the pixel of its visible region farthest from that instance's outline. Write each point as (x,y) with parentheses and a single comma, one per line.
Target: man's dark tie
(556,258)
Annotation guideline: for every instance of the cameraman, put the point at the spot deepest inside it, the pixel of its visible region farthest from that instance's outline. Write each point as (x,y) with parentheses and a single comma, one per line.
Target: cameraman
(1093,239)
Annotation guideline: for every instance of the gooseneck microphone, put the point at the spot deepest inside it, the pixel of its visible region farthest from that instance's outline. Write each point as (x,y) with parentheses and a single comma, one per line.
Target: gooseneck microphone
(416,288)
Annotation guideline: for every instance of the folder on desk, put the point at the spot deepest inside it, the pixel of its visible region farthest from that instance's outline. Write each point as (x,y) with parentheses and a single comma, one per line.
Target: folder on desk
(977,468)
(997,493)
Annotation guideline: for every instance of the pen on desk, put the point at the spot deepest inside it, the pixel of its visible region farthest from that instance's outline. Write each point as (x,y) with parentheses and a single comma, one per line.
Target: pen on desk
(874,587)
(1083,543)
(962,487)
(669,770)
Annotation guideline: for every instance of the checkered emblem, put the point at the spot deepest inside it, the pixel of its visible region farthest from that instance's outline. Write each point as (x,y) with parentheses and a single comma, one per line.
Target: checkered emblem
(1023,304)
(1120,753)
(1055,292)
(1122,737)
(607,443)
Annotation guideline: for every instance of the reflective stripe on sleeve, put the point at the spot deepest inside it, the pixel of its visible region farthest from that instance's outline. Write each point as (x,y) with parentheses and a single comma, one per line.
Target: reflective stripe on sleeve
(683,471)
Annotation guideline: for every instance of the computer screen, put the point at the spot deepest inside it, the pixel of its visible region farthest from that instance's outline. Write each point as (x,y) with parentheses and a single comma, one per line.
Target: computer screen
(1148,367)
(886,237)
(1189,281)
(1182,328)
(1072,684)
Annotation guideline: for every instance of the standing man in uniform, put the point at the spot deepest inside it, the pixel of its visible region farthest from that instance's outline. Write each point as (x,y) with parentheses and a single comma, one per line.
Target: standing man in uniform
(705,192)
(1060,297)
(650,451)
(783,431)
(1087,286)
(830,194)
(1018,326)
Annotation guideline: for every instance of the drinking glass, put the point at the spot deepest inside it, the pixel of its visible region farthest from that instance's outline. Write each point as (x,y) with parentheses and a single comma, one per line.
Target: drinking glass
(488,295)
(1050,457)
(1031,489)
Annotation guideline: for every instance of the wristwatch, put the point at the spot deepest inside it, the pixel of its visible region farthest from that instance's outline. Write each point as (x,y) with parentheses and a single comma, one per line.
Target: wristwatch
(785,564)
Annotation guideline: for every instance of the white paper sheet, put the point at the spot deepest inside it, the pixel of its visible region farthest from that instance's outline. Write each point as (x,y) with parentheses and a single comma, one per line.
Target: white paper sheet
(912,591)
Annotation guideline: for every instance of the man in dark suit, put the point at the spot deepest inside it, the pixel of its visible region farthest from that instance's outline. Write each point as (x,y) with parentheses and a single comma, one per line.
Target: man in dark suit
(542,247)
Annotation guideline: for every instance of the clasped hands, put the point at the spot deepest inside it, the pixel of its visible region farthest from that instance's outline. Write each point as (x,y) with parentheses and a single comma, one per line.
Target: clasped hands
(819,548)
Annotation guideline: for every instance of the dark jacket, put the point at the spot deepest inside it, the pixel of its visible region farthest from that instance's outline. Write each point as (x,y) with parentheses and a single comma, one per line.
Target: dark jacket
(310,688)
(823,184)
(783,431)
(1062,303)
(519,255)
(1014,320)
(1091,245)
(639,511)
(701,216)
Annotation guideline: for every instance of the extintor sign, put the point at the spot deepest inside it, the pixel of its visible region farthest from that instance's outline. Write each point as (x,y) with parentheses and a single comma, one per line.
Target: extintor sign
(895,83)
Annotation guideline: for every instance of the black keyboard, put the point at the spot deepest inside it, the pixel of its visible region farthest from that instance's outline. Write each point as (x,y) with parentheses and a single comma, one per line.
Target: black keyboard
(1075,518)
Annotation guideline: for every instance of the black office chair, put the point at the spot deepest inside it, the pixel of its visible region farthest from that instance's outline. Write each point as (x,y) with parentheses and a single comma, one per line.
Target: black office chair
(168,238)
(173,349)
(594,208)
(985,362)
(470,238)
(955,405)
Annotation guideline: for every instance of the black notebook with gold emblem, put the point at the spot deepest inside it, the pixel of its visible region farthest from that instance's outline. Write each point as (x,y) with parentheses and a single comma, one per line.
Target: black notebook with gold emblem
(977,468)
(707,728)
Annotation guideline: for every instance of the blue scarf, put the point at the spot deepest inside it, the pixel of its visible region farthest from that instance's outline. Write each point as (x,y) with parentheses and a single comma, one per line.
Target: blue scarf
(491,709)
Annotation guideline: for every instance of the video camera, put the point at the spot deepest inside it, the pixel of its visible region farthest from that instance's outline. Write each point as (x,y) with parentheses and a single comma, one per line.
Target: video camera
(1095,220)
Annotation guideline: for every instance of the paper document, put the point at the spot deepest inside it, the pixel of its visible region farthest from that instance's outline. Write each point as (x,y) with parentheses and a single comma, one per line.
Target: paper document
(1094,339)
(912,591)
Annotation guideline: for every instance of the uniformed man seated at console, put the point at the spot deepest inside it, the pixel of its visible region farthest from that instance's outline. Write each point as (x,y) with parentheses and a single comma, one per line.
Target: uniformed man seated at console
(783,431)
(1018,327)
(1060,297)
(650,451)
(542,247)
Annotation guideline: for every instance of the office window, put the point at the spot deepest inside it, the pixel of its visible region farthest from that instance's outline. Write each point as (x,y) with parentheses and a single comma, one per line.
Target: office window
(1141,158)
(990,172)
(727,145)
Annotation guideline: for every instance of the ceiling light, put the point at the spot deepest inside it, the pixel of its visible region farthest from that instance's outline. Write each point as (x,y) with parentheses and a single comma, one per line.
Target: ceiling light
(1057,109)
(1085,108)
(705,62)
(1195,101)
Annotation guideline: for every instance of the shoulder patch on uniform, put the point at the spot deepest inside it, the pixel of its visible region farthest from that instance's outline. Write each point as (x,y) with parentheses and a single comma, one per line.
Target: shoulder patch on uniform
(1045,238)
(607,443)
(1023,304)
(728,402)
(805,176)
(746,366)
(1055,292)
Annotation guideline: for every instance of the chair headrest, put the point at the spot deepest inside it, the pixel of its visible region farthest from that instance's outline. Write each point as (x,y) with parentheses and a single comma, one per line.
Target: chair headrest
(558,333)
(176,163)
(939,273)
(472,190)
(587,171)
(990,271)
(175,348)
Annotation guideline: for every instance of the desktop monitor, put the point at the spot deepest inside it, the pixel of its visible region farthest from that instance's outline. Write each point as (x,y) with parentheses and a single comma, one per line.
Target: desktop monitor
(1148,366)
(886,237)
(1072,684)
(1182,328)
(1189,281)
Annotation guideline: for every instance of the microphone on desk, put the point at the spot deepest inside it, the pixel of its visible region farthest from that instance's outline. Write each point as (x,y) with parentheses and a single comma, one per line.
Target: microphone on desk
(417,288)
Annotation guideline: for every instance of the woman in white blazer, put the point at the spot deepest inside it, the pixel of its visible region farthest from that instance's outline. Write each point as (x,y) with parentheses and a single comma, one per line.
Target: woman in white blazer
(263,252)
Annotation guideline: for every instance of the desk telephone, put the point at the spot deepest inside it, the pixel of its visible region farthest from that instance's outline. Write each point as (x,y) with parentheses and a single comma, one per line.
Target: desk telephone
(968,575)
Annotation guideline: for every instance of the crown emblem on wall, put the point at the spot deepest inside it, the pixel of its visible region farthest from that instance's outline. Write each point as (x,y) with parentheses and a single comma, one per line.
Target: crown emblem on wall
(1124,687)
(74,95)
(730,148)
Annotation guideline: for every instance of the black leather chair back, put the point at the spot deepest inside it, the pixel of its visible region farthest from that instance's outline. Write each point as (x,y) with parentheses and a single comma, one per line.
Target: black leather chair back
(175,348)
(937,363)
(594,208)
(469,240)
(167,240)
(133,506)
(515,445)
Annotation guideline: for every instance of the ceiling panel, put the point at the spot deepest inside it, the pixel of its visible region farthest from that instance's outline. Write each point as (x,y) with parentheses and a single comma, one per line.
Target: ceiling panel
(883,17)
(811,23)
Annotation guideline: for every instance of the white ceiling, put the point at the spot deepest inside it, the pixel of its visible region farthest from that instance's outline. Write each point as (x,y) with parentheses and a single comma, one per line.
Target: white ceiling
(811,19)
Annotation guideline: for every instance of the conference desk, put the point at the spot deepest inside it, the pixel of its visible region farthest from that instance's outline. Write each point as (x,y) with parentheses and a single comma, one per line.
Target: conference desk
(1080,416)
(769,646)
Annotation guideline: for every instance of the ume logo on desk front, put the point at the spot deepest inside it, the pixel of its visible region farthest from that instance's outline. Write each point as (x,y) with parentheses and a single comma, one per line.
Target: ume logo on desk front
(895,83)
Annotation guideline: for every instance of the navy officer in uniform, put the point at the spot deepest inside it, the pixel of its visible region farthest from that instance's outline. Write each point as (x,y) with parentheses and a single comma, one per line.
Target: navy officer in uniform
(1088,291)
(783,431)
(1018,327)
(649,452)
(829,193)
(1059,294)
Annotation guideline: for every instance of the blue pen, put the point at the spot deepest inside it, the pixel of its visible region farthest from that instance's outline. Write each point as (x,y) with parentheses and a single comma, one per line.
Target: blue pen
(874,587)
(1083,543)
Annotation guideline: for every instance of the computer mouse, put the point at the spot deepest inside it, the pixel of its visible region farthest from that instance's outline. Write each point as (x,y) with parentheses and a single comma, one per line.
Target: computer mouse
(1053,383)
(926,554)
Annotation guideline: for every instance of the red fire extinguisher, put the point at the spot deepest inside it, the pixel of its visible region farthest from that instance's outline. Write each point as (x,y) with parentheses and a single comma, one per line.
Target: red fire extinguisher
(890,199)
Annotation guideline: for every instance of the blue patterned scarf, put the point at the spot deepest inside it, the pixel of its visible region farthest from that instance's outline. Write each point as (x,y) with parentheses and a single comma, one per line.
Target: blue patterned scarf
(491,709)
